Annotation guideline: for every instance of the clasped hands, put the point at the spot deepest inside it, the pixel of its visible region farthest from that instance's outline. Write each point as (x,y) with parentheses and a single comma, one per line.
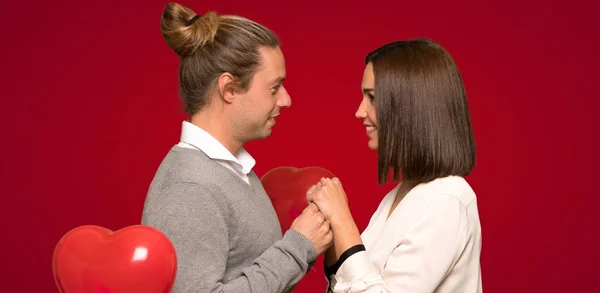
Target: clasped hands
(327,210)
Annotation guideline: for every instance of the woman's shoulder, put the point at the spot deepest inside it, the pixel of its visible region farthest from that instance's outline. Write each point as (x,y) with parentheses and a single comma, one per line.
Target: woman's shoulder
(451,186)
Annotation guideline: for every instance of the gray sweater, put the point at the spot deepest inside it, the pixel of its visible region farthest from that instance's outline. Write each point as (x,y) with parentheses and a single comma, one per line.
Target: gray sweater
(226,233)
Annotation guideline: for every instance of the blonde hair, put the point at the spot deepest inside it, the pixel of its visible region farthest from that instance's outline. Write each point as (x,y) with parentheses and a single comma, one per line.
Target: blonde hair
(210,45)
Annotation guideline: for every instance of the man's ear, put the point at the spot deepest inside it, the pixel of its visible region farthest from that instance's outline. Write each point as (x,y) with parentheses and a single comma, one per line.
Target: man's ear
(226,87)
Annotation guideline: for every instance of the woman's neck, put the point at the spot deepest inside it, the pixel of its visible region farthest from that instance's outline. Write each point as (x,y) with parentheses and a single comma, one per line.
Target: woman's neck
(405,187)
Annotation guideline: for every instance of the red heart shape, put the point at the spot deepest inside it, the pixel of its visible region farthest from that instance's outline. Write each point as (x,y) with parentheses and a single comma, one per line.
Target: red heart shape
(135,259)
(287,186)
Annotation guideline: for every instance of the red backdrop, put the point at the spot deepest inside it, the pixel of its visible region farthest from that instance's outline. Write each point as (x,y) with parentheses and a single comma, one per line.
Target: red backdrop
(90,107)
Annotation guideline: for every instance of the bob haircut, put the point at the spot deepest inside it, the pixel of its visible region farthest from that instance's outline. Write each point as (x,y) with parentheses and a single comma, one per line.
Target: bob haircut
(423,119)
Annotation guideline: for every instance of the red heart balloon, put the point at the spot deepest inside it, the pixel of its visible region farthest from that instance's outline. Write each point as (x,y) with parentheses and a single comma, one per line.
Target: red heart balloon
(287,186)
(135,259)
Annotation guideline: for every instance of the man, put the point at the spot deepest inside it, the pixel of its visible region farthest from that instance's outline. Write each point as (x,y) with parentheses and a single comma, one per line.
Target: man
(205,196)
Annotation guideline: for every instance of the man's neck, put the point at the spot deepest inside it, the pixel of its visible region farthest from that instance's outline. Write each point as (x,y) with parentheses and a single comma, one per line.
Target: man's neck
(219,128)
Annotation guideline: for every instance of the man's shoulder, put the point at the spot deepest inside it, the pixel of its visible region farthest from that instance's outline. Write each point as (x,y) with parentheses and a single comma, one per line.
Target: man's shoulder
(186,165)
(190,166)
(185,177)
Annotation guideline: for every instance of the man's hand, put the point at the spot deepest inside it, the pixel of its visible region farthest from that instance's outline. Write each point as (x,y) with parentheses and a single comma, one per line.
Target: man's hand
(311,223)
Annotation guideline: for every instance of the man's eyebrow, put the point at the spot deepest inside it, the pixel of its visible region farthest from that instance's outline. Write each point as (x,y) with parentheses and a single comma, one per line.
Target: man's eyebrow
(278,80)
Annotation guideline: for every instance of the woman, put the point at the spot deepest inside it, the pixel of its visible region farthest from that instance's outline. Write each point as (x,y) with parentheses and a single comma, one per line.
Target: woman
(425,236)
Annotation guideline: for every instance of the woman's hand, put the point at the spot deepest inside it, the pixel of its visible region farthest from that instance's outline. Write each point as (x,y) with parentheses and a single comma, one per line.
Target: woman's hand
(329,196)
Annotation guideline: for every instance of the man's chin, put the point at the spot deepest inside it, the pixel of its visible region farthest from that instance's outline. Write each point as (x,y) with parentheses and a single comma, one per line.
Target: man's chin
(263,135)
(267,134)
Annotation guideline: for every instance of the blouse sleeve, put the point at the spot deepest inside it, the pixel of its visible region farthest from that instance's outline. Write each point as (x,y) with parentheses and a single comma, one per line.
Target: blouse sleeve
(422,258)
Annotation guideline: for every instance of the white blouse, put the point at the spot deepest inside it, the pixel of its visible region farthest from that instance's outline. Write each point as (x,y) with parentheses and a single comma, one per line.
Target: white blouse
(430,243)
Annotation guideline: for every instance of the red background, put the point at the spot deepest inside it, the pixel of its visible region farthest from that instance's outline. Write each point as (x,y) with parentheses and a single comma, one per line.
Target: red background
(90,107)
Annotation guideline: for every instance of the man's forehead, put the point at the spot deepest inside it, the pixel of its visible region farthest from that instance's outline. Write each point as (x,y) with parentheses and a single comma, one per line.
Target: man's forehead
(271,75)
(273,66)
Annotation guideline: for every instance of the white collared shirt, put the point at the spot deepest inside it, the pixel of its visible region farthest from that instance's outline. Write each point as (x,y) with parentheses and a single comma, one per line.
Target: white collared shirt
(430,243)
(194,137)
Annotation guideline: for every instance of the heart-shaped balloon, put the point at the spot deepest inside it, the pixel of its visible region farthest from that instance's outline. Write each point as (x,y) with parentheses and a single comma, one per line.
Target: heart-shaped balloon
(287,186)
(135,259)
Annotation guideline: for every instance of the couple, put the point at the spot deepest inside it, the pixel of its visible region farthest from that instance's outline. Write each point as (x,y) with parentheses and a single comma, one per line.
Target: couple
(425,235)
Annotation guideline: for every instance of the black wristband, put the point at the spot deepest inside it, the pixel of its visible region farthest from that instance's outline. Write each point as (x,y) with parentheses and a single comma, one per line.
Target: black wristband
(348,253)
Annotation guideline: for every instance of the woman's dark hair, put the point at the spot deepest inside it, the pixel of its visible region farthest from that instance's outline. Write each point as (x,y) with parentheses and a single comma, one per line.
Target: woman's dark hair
(423,119)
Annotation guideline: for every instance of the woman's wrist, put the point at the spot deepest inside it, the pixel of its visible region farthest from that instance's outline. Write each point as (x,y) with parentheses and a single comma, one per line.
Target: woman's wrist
(345,236)
(330,256)
(341,220)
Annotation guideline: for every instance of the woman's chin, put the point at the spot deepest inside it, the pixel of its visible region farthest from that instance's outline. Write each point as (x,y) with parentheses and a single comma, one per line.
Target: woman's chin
(373,144)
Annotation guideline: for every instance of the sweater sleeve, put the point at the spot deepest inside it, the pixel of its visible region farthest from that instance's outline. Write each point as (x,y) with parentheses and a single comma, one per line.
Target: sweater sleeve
(197,226)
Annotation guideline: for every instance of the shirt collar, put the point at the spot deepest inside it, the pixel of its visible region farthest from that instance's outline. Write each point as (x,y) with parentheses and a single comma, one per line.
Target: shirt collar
(202,140)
